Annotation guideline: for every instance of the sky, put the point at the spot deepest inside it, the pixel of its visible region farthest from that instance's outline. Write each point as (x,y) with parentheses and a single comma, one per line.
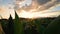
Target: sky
(29,8)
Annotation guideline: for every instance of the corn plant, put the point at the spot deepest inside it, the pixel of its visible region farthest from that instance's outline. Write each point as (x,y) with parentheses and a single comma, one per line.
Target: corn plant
(4,26)
(53,27)
(18,25)
(1,30)
(10,25)
(40,28)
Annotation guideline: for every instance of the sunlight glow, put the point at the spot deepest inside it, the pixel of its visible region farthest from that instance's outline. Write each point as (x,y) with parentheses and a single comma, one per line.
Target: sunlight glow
(29,9)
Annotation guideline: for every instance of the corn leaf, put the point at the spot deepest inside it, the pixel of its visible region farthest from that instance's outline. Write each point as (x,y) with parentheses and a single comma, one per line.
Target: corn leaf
(4,24)
(18,25)
(1,29)
(10,25)
(53,27)
(38,25)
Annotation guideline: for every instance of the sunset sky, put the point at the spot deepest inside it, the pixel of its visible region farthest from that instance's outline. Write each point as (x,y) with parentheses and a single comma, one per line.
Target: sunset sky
(29,8)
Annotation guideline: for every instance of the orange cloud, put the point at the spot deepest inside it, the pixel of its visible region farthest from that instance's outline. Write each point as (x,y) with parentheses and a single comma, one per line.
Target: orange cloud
(33,11)
(34,6)
(5,12)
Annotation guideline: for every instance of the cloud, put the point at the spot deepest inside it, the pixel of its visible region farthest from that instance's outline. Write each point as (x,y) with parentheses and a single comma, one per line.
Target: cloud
(46,1)
(58,1)
(19,0)
(38,14)
(5,11)
(43,1)
(40,5)
(0,0)
(48,5)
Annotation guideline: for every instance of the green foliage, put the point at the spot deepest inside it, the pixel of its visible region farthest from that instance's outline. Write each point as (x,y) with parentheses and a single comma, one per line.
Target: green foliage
(1,30)
(18,25)
(22,26)
(4,26)
(53,27)
(40,28)
(10,25)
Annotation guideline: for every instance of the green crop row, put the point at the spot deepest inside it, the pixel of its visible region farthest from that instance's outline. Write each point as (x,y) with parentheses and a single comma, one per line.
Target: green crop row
(16,26)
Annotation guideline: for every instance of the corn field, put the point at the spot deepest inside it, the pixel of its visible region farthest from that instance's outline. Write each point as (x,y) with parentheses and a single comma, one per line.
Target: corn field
(28,26)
